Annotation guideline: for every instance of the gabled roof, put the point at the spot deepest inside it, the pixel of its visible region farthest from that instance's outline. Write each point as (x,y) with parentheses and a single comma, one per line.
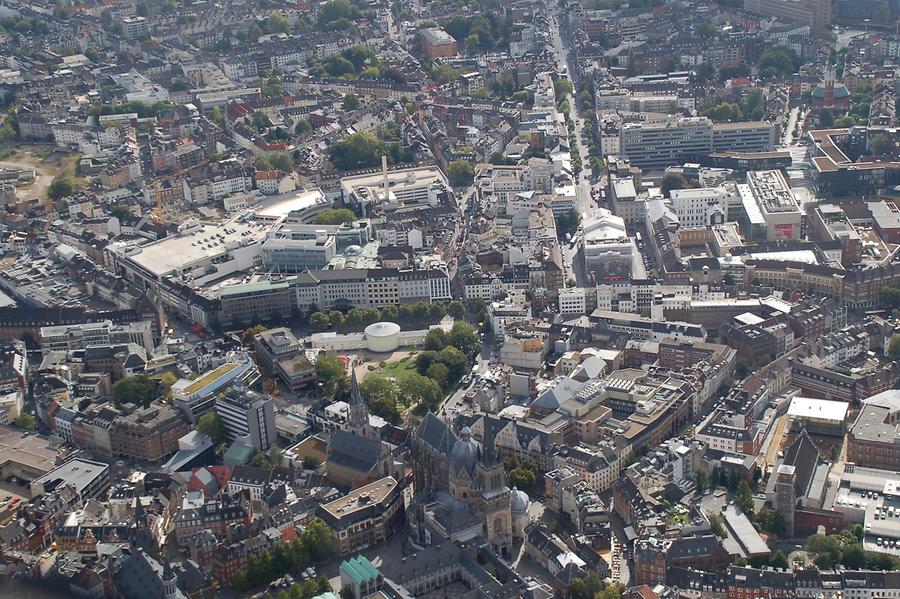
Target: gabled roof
(436,433)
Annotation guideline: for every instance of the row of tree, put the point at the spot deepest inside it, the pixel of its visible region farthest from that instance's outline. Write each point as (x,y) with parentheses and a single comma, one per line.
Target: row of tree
(355,318)
(314,545)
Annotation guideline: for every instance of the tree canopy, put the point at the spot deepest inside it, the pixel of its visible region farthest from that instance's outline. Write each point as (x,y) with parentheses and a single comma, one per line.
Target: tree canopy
(137,389)
(335,216)
(359,150)
(210,424)
(460,173)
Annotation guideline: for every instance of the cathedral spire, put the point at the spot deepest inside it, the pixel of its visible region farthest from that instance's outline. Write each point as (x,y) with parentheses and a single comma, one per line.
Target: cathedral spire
(359,415)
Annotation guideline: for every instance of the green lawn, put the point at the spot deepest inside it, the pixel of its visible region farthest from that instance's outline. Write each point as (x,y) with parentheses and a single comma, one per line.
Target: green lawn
(398,370)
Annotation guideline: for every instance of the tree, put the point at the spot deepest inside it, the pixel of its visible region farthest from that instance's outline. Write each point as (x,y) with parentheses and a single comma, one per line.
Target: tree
(437,311)
(672,181)
(894,348)
(562,88)
(705,71)
(457,310)
(880,145)
(261,460)
(436,339)
(706,30)
(587,587)
(26,421)
(741,368)
(700,481)
(460,173)
(715,524)
(337,319)
(778,61)
(439,373)
(260,120)
(359,150)
(724,112)
(217,116)
(310,463)
(770,521)
(137,389)
(210,424)
(319,321)
(61,187)
(854,557)
(416,389)
(336,11)
(472,43)
(462,337)
(333,374)
(744,498)
(350,102)
(381,397)
(282,162)
(278,23)
(254,33)
(249,335)
(611,591)
(567,223)
(825,118)
(335,216)
(778,560)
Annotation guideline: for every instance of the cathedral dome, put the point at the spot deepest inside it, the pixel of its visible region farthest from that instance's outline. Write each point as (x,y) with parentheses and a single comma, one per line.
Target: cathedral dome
(518,501)
(465,452)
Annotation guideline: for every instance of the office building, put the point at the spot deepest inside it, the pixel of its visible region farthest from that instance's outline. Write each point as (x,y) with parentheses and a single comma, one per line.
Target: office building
(815,13)
(419,185)
(674,140)
(285,358)
(364,517)
(700,207)
(374,287)
(150,433)
(87,478)
(874,439)
(247,417)
(608,251)
(134,26)
(437,43)
(771,200)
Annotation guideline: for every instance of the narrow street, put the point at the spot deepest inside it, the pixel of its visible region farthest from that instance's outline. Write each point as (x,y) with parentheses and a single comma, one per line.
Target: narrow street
(584,204)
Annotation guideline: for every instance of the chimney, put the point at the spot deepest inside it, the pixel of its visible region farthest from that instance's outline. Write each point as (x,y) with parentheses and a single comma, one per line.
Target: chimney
(384,174)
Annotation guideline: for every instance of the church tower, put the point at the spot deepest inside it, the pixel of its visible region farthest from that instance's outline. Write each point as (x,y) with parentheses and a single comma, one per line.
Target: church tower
(170,582)
(358,420)
(830,77)
(140,535)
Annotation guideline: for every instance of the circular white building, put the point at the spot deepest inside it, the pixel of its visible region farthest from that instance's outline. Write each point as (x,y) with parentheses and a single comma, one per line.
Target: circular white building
(382,337)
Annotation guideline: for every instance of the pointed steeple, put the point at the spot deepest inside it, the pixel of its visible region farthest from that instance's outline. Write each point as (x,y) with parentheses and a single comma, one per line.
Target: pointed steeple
(359,414)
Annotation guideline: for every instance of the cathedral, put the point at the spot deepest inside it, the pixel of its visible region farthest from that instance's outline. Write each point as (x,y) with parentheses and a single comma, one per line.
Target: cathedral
(460,487)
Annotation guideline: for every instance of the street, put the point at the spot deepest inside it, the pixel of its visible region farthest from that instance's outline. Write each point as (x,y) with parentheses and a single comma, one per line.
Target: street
(584,203)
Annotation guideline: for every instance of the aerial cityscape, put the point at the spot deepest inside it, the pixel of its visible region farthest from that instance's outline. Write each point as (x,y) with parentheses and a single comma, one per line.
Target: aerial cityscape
(494,299)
